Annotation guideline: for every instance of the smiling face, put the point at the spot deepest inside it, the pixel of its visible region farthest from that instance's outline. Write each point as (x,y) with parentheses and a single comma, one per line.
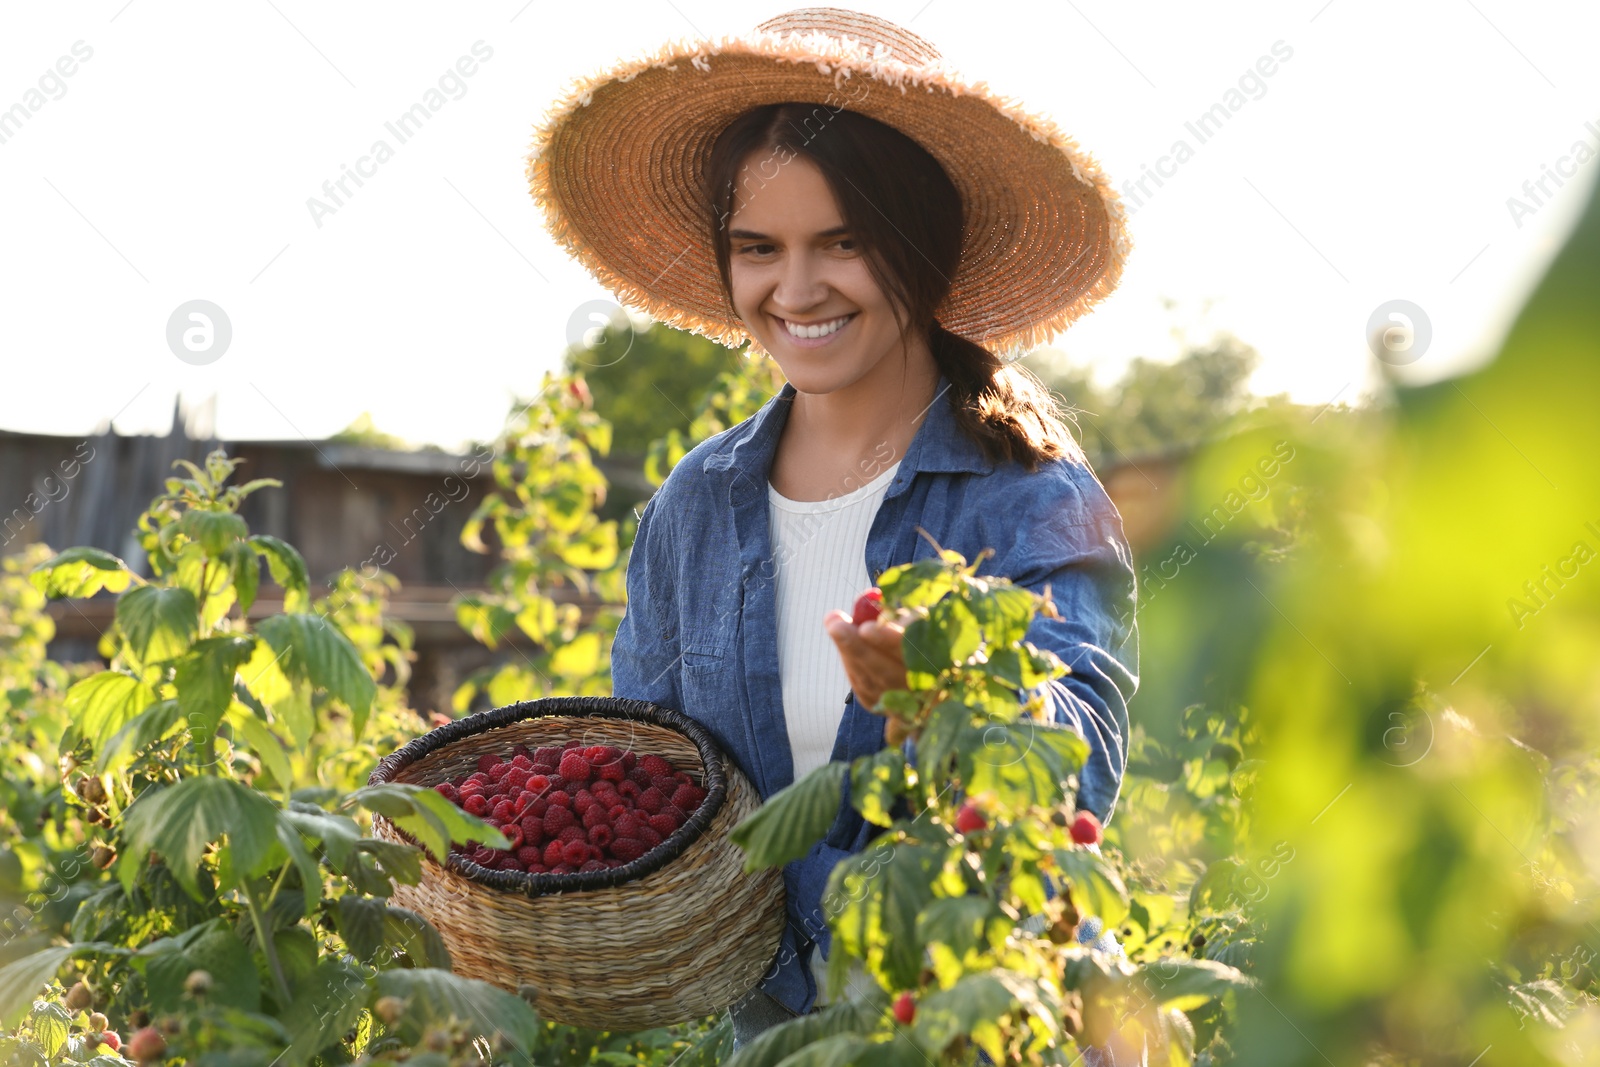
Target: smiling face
(801,283)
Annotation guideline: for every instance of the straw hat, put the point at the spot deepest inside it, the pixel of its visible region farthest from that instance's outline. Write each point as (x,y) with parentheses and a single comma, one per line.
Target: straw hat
(617,166)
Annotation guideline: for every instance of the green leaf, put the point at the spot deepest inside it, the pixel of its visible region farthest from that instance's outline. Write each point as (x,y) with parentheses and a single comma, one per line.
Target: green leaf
(1005,612)
(1096,886)
(214,531)
(836,1051)
(960,923)
(246,570)
(927,653)
(204,678)
(876,782)
(80,572)
(961,1009)
(435,998)
(579,659)
(1184,983)
(416,937)
(360,922)
(310,873)
(426,816)
(774,1045)
(958,624)
(311,648)
(150,725)
(940,734)
(1020,762)
(23,979)
(51,1023)
(288,569)
(212,947)
(263,742)
(875,896)
(104,703)
(326,1005)
(792,820)
(180,821)
(159,623)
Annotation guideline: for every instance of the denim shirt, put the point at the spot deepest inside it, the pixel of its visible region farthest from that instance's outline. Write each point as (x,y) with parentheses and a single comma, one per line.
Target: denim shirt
(700,633)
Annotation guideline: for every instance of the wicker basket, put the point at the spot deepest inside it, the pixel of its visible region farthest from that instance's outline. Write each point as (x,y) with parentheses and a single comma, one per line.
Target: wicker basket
(679,933)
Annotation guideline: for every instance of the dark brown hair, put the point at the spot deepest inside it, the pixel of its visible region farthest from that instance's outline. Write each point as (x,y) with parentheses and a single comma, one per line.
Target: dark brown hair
(906,213)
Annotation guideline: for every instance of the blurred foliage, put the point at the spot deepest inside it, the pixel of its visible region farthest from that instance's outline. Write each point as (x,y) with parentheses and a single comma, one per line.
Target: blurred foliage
(1155,407)
(647,381)
(363,431)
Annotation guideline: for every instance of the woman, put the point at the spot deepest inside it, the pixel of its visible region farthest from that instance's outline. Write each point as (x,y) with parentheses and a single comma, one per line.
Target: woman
(862,248)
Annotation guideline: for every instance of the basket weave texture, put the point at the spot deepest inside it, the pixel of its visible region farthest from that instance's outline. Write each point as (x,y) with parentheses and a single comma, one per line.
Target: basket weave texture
(679,933)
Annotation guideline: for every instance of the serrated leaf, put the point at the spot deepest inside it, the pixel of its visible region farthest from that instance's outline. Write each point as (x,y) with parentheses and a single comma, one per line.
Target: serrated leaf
(792,819)
(327,1003)
(151,724)
(180,821)
(1096,886)
(960,923)
(958,1011)
(287,568)
(213,531)
(337,833)
(310,648)
(875,897)
(876,782)
(80,572)
(204,678)
(102,704)
(51,1023)
(774,1045)
(263,742)
(434,821)
(246,570)
(159,623)
(212,947)
(436,998)
(1184,983)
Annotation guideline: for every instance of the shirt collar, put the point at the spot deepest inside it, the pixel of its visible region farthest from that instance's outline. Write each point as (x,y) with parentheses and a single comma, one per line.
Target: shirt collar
(938,445)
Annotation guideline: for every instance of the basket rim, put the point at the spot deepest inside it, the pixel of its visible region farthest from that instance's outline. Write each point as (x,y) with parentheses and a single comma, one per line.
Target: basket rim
(579,707)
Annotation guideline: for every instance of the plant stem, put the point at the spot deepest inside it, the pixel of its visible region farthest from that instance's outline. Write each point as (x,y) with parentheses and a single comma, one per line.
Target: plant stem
(276,885)
(267,946)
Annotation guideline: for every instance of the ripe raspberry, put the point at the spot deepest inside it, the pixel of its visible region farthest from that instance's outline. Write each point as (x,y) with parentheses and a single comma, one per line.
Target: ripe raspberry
(513,834)
(583,801)
(666,783)
(616,811)
(630,789)
(575,768)
(448,791)
(595,816)
(614,771)
(532,827)
(648,835)
(522,760)
(656,766)
(523,802)
(560,798)
(539,806)
(517,778)
(663,825)
(630,760)
(498,772)
(508,862)
(111,1037)
(688,797)
(559,784)
(570,743)
(528,855)
(868,606)
(501,810)
(483,855)
(626,825)
(552,853)
(478,777)
(603,789)
(682,778)
(519,749)
(613,862)
(905,1009)
(600,836)
(538,868)
(537,784)
(547,759)
(592,865)
(469,789)
(563,868)
(147,1044)
(639,776)
(627,849)
(574,852)
(487,762)
(970,819)
(476,805)
(557,818)
(652,800)
(675,813)
(573,833)
(1086,828)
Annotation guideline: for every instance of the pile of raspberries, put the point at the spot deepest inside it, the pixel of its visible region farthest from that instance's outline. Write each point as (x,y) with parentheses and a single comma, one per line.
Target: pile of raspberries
(574,808)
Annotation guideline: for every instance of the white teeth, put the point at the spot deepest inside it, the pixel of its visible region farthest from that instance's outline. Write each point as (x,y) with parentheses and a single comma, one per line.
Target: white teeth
(819,330)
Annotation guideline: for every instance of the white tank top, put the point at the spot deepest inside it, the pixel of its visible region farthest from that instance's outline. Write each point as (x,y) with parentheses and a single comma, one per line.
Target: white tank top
(819,553)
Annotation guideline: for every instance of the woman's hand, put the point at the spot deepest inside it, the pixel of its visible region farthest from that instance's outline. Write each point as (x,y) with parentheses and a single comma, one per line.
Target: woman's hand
(873,660)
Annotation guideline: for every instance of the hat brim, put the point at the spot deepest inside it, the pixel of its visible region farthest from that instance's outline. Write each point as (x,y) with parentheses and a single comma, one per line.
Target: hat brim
(617,166)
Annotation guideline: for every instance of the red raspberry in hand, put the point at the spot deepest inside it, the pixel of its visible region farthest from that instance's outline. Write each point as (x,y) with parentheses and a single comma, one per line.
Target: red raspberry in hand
(970,819)
(869,606)
(1086,828)
(905,1009)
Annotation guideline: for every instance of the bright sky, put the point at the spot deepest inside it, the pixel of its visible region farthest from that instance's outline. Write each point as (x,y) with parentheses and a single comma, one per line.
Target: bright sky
(176,161)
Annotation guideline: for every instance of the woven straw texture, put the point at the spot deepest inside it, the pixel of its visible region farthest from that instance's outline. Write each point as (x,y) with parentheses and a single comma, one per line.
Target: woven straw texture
(617,166)
(675,935)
